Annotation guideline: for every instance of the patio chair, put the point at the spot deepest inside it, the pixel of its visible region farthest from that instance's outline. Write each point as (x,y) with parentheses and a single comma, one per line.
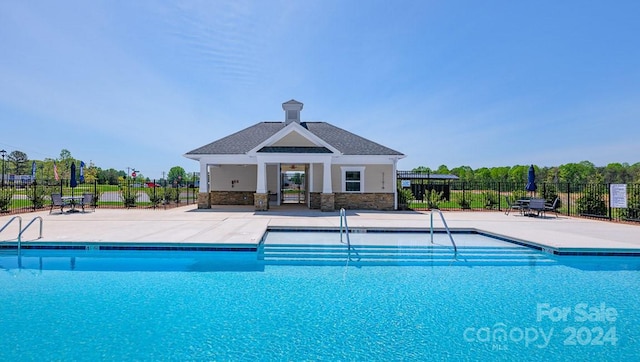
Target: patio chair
(56,201)
(554,206)
(87,200)
(536,205)
(512,205)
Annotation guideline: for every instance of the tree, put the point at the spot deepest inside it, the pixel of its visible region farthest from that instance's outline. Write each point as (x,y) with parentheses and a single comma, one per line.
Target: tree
(109,177)
(19,161)
(501,173)
(482,174)
(443,170)
(519,173)
(465,173)
(64,164)
(176,175)
(422,169)
(90,173)
(616,173)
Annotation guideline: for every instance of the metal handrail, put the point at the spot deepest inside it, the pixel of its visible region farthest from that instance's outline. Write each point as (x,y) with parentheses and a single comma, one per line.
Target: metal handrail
(446,227)
(29,224)
(22,231)
(19,225)
(343,217)
(343,220)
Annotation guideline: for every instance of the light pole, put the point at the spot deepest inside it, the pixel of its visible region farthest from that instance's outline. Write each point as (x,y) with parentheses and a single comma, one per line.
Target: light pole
(4,153)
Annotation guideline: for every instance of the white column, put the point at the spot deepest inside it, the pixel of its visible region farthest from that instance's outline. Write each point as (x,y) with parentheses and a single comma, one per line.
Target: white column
(204,177)
(261,187)
(326,177)
(395,183)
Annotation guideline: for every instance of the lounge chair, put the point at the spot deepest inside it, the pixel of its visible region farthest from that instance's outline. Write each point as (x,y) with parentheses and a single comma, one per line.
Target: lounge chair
(512,206)
(87,200)
(57,201)
(554,206)
(537,206)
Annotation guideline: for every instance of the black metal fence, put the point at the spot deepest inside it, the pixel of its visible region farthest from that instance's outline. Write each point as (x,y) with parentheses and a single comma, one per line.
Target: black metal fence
(19,197)
(418,193)
(582,200)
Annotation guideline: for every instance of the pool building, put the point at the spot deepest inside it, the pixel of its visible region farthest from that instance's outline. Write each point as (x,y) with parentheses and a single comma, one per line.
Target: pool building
(309,163)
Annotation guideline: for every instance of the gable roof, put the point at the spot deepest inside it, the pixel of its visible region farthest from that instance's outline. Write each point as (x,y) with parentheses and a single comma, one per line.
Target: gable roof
(247,139)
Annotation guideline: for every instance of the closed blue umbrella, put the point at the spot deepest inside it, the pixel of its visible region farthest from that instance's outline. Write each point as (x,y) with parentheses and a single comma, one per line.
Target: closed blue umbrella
(73,182)
(531,180)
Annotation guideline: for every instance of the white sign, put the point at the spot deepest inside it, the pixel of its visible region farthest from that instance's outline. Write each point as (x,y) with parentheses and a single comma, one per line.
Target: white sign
(618,195)
(405,183)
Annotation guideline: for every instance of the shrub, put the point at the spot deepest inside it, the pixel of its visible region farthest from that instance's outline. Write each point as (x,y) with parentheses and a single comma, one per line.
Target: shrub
(491,200)
(633,205)
(128,195)
(464,202)
(434,198)
(156,195)
(405,197)
(96,197)
(38,196)
(169,194)
(6,196)
(592,203)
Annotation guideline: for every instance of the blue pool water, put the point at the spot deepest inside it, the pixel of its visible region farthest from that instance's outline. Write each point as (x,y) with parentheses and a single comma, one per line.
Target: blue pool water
(185,305)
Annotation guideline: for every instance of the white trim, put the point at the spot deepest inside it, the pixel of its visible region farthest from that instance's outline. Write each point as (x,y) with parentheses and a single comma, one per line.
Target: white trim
(309,178)
(366,160)
(204,178)
(327,187)
(343,181)
(395,184)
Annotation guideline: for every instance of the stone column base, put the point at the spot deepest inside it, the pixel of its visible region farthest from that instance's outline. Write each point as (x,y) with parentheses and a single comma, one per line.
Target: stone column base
(204,200)
(261,201)
(327,202)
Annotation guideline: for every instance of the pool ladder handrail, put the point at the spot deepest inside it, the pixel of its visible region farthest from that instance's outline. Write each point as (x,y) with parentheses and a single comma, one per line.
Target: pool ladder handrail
(446,227)
(10,221)
(22,230)
(345,229)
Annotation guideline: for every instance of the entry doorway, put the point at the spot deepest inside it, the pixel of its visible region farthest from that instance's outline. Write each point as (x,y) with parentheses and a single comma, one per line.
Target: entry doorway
(293,184)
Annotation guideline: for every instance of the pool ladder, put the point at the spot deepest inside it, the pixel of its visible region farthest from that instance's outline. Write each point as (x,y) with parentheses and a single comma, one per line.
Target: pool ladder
(21,230)
(344,229)
(446,227)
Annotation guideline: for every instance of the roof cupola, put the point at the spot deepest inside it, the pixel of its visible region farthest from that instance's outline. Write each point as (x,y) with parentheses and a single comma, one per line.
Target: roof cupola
(292,110)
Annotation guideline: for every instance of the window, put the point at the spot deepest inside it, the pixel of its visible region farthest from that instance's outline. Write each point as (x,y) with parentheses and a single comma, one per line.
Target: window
(353,179)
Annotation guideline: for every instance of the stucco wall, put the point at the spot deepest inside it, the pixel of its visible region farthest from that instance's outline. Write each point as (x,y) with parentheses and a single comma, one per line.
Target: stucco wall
(223,175)
(272,178)
(317,174)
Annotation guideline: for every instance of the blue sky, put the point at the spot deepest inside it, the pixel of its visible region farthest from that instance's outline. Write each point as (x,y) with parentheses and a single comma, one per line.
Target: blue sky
(477,83)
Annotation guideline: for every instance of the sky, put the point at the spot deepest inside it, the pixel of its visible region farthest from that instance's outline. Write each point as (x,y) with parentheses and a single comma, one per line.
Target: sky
(462,83)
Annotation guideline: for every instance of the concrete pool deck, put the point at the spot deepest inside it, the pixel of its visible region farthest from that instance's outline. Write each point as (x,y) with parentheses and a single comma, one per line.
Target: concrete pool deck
(242,226)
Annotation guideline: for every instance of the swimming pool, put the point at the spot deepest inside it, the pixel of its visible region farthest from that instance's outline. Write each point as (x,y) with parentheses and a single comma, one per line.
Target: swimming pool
(202,305)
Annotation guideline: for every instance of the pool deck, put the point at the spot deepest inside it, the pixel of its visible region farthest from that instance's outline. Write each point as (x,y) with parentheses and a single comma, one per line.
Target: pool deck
(243,227)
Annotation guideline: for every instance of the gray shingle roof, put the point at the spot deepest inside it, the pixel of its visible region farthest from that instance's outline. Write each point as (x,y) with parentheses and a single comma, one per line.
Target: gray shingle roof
(247,139)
